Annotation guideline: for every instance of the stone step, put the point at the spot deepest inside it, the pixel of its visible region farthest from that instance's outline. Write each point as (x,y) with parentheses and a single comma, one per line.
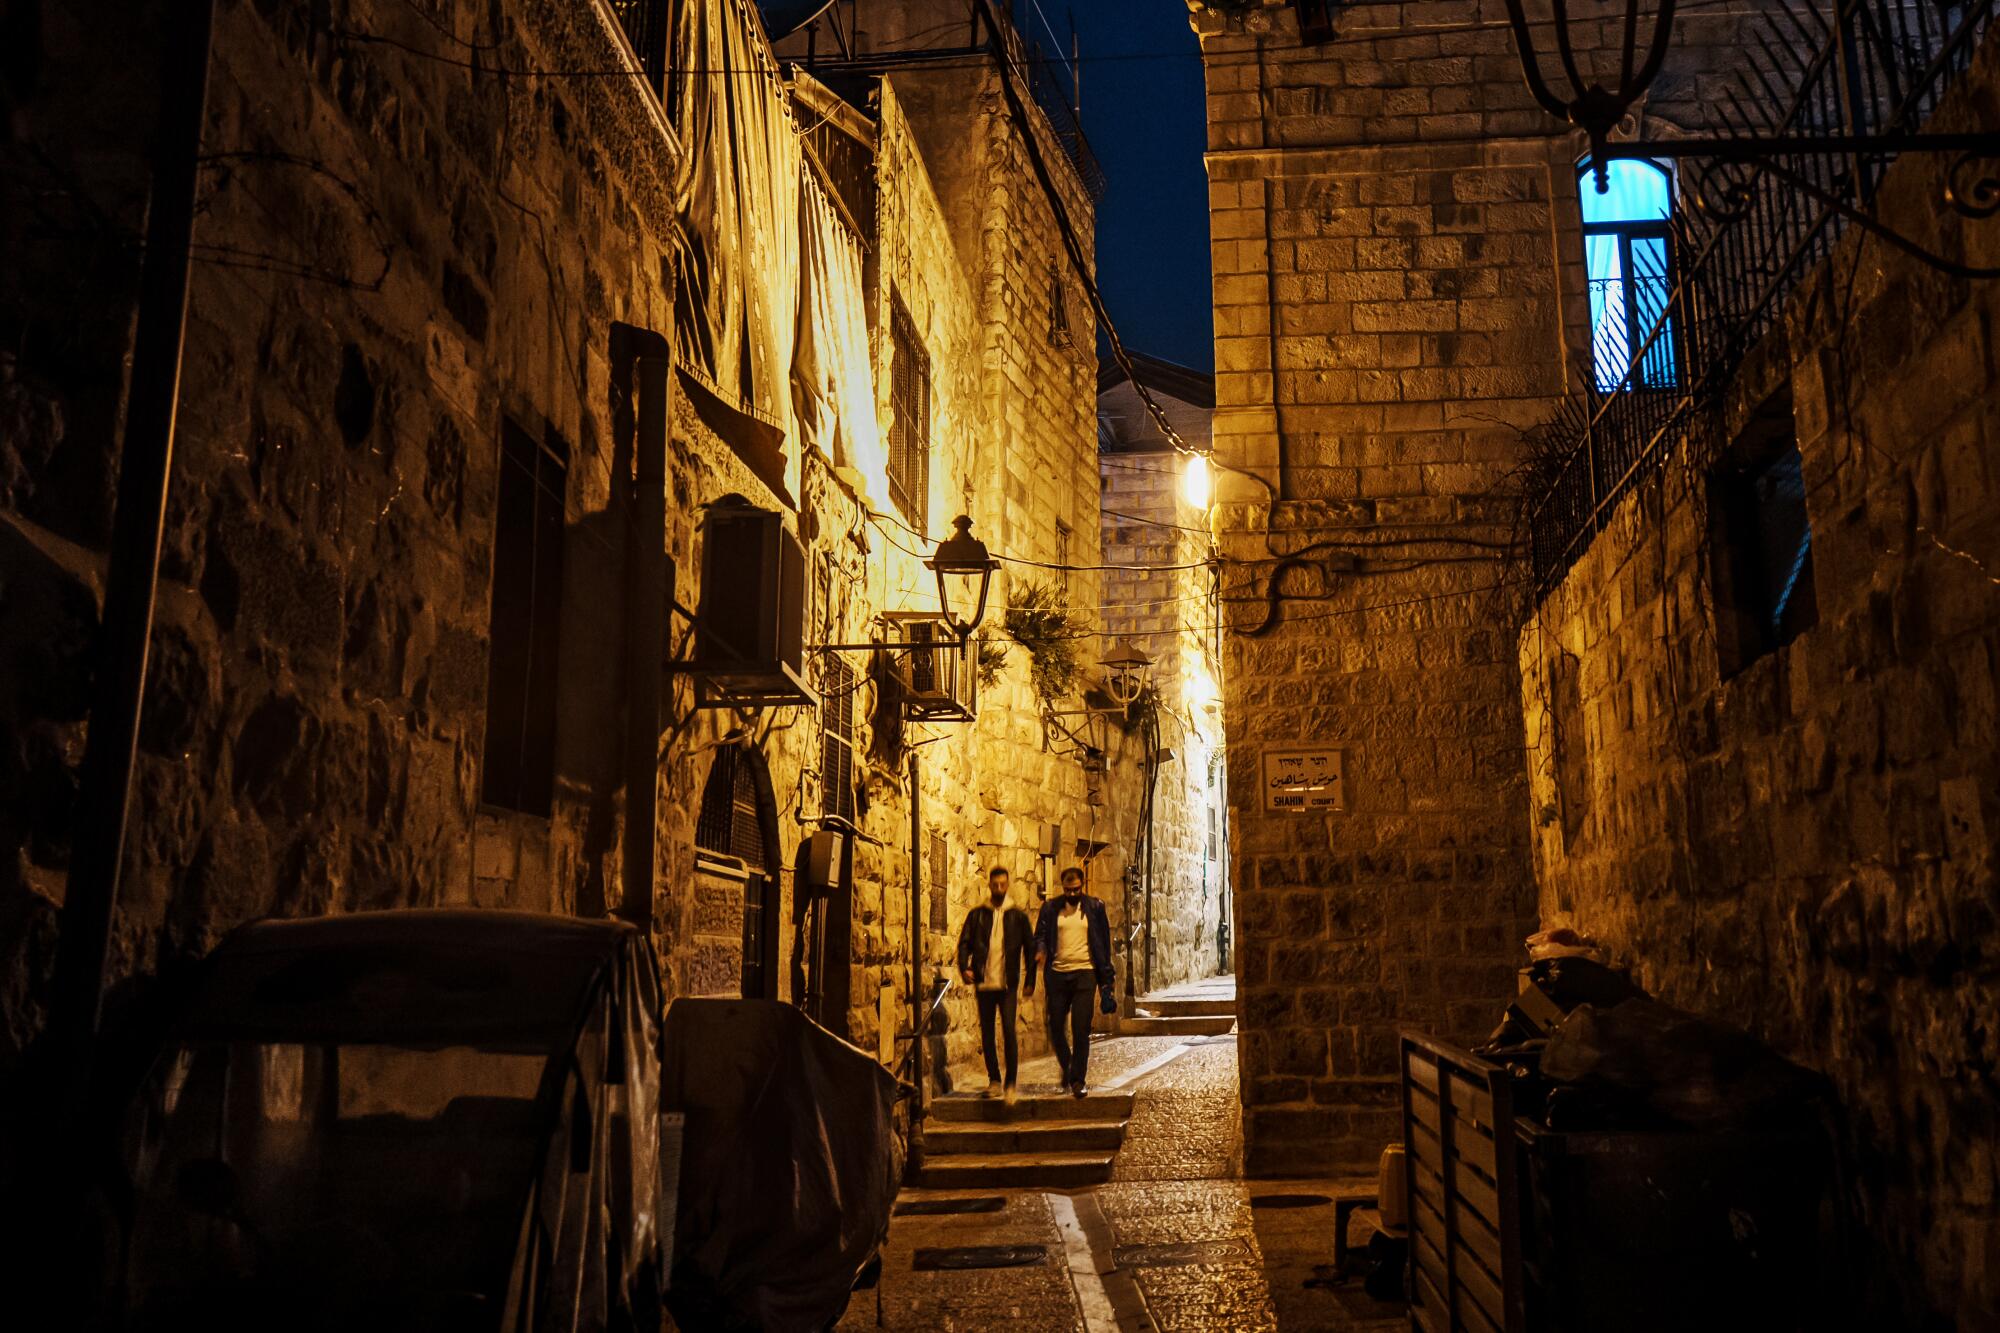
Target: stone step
(953,1138)
(1062,1170)
(961,1107)
(1190,1025)
(1178,1006)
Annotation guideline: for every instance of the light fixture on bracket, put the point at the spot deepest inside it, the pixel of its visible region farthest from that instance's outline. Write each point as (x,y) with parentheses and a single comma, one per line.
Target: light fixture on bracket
(932,652)
(962,561)
(1127,672)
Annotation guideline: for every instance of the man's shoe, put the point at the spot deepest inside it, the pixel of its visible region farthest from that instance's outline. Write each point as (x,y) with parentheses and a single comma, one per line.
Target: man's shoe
(1009,1094)
(992,1087)
(1076,1089)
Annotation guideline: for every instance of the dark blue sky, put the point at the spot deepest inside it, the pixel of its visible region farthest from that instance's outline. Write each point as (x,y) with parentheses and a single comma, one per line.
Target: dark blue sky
(1144,116)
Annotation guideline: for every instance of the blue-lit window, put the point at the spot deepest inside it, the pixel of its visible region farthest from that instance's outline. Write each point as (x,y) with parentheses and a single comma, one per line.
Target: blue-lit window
(1627,254)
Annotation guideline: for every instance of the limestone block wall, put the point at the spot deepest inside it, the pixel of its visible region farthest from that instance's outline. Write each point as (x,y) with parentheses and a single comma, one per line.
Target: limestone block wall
(380,278)
(1399,297)
(383,278)
(1807,847)
(1030,485)
(1168,610)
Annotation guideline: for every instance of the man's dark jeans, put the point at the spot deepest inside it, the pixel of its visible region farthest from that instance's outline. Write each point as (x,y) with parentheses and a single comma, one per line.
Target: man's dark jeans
(1070,994)
(1003,1003)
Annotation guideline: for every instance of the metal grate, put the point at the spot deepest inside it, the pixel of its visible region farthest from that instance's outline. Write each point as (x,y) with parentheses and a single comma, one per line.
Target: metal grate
(1873,66)
(978,1256)
(986,1203)
(836,740)
(730,821)
(910,427)
(938,874)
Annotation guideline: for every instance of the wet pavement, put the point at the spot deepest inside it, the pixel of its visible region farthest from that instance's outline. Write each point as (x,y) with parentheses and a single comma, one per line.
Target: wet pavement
(1172,1243)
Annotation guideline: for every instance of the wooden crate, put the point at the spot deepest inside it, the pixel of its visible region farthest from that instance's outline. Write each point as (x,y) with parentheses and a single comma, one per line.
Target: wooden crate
(1460,1155)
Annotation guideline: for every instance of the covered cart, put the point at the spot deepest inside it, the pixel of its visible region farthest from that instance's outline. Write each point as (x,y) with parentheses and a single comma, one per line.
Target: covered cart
(426,1120)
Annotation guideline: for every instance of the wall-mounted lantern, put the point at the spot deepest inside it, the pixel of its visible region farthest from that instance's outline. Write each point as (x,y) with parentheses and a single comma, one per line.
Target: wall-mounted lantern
(964,572)
(1127,672)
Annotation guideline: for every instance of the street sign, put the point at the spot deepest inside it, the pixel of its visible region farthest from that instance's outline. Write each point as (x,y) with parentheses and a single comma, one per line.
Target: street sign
(1303,781)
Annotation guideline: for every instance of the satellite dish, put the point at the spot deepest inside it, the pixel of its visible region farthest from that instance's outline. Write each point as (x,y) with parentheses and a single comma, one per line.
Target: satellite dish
(782,18)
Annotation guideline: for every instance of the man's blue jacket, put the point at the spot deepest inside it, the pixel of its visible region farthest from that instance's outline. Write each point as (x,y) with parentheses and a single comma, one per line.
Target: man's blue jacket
(1099,932)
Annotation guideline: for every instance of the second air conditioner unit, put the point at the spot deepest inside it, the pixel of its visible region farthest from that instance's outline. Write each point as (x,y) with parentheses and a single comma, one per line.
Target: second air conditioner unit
(937,673)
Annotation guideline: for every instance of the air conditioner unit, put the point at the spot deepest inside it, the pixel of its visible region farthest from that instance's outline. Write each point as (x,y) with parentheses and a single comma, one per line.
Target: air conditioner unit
(937,671)
(749,639)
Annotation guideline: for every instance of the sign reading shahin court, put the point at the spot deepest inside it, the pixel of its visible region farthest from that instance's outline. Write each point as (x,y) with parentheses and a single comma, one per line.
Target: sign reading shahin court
(1301,781)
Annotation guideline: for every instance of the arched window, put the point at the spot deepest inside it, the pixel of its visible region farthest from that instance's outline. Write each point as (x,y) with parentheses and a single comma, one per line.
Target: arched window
(1626,252)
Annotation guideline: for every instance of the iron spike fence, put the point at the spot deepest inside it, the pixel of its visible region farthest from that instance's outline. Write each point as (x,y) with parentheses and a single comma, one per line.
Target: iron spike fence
(1817,98)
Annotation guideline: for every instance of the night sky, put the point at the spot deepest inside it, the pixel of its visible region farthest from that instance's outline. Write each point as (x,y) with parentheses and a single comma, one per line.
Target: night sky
(1144,117)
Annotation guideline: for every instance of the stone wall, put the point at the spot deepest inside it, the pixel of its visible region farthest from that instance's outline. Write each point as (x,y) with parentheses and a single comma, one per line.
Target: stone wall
(1806,847)
(1166,606)
(397,255)
(1399,297)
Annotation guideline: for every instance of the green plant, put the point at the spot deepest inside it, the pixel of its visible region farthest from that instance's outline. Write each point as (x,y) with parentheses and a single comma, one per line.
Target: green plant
(992,661)
(1040,620)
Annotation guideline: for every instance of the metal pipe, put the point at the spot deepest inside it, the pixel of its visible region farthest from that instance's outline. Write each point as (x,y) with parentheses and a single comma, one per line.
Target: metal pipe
(643,355)
(145,468)
(919,1020)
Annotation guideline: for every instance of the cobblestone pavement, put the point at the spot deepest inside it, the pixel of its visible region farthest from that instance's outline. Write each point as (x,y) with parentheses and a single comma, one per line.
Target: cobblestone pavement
(1117,1257)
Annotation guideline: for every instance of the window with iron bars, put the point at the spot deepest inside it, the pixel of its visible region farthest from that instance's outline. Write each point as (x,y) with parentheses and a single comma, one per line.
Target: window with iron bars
(730,822)
(836,739)
(938,873)
(910,427)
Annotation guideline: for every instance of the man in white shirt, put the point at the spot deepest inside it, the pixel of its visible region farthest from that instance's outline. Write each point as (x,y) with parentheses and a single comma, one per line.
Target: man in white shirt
(991,946)
(1073,945)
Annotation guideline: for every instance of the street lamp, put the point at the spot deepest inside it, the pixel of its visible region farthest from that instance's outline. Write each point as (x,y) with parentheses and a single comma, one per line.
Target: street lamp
(1593,108)
(959,560)
(1195,485)
(1127,669)
(1201,689)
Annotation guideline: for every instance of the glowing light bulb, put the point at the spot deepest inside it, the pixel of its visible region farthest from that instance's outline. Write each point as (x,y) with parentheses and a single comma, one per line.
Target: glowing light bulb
(1201,689)
(1195,481)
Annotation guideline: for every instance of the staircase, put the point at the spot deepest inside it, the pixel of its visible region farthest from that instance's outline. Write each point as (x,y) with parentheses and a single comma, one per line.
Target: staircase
(1049,1141)
(1197,1009)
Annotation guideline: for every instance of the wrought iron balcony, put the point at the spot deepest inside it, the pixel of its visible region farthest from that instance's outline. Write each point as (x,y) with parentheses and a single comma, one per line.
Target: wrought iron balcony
(1821,96)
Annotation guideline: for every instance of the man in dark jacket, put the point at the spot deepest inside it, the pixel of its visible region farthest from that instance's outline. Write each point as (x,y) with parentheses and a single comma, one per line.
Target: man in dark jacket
(991,945)
(1073,942)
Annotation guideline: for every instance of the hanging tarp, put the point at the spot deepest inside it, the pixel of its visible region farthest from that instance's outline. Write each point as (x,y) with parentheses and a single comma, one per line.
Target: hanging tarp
(738,200)
(833,387)
(788,1167)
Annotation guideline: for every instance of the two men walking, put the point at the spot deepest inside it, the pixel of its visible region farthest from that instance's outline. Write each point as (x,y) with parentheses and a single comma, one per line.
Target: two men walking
(991,946)
(1070,944)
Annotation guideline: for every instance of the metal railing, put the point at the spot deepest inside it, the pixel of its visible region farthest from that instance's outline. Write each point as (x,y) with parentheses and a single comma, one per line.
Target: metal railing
(1057,90)
(1759,225)
(645,23)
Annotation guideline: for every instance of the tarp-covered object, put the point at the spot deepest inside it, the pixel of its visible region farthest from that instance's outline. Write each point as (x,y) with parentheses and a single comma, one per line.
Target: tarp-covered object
(404,1122)
(789,1165)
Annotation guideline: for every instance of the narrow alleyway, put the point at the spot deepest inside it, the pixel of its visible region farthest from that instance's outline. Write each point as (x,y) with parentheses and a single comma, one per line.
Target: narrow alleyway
(1177,1240)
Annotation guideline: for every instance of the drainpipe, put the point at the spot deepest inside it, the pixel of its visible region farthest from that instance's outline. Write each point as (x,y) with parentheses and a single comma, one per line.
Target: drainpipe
(918,1013)
(1152,785)
(644,355)
(145,467)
